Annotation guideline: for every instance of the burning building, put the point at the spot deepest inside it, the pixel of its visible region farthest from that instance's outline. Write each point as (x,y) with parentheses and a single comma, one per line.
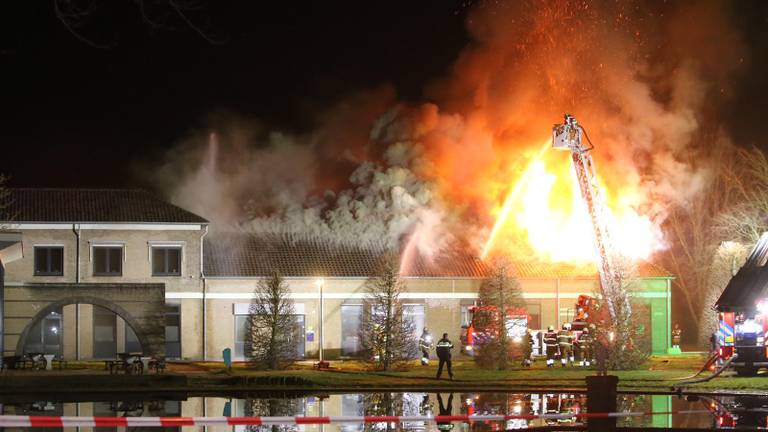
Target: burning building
(90,273)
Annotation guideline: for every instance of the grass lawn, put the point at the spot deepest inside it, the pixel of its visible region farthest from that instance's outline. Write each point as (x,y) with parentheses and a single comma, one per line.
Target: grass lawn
(659,373)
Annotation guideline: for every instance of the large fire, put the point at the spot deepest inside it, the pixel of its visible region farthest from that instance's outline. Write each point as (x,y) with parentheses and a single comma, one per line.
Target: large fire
(544,209)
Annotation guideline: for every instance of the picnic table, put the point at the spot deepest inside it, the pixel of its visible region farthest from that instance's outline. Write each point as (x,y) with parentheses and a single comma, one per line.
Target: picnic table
(34,360)
(38,360)
(129,363)
(134,363)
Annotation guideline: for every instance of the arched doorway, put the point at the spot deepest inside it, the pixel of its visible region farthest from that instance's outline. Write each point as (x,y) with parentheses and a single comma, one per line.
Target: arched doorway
(113,330)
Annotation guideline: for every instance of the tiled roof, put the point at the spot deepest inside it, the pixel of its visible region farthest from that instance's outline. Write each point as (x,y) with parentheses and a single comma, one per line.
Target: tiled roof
(246,255)
(93,205)
(249,255)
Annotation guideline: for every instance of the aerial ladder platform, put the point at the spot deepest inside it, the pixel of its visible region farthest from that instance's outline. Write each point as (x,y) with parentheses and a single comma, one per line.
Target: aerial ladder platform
(571,136)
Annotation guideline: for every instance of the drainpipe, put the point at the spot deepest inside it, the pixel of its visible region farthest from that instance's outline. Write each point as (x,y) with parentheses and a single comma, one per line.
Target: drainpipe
(669,313)
(76,230)
(202,277)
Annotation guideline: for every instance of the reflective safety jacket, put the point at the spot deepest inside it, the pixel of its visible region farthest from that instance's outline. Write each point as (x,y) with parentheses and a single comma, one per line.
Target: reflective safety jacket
(564,338)
(550,338)
(443,348)
(585,340)
(425,343)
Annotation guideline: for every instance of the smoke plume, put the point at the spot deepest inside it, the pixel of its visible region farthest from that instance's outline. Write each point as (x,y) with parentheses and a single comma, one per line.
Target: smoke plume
(645,78)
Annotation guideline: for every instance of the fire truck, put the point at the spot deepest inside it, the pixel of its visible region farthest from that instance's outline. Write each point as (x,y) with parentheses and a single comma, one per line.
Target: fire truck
(474,334)
(743,314)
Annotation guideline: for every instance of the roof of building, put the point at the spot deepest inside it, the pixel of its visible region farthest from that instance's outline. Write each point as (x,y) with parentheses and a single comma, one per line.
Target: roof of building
(43,205)
(245,255)
(249,255)
(750,284)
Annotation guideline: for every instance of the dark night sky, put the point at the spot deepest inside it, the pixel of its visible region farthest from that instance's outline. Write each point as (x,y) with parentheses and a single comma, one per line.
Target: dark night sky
(81,116)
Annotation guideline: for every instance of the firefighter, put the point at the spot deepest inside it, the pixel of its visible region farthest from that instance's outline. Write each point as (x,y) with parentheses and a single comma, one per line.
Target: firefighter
(565,342)
(528,349)
(550,342)
(443,349)
(677,333)
(425,344)
(585,347)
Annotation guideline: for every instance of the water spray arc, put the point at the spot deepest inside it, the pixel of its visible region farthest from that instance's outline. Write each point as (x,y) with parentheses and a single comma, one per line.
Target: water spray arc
(510,200)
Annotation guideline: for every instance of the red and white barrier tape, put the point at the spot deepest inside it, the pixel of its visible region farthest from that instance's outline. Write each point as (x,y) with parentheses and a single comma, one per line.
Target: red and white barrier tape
(65,421)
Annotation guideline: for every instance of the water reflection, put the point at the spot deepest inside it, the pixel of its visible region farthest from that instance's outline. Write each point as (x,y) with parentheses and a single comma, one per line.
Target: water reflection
(727,412)
(740,411)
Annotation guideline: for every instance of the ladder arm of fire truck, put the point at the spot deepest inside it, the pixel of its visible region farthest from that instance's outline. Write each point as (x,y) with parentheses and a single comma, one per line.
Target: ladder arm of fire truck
(567,136)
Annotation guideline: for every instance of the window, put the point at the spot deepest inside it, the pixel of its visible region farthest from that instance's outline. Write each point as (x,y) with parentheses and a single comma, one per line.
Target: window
(351,318)
(534,315)
(242,330)
(466,315)
(107,260)
(166,261)
(45,336)
(49,260)
(104,333)
(173,330)
(132,343)
(415,314)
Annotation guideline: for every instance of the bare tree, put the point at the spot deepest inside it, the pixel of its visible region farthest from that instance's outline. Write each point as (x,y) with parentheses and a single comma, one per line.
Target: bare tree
(271,325)
(747,219)
(737,228)
(386,334)
(76,16)
(498,293)
(727,260)
(691,227)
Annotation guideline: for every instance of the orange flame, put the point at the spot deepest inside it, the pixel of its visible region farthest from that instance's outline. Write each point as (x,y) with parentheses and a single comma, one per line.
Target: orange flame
(545,209)
(510,201)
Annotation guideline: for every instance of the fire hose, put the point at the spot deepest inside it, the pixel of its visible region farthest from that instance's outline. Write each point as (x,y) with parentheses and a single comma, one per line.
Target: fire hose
(722,369)
(706,366)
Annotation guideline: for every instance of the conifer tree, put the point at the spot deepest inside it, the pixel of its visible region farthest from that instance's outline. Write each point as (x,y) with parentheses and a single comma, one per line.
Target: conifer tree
(271,325)
(499,294)
(386,334)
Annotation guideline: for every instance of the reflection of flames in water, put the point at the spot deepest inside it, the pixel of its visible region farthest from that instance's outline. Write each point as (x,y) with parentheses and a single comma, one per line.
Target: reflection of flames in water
(544,211)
